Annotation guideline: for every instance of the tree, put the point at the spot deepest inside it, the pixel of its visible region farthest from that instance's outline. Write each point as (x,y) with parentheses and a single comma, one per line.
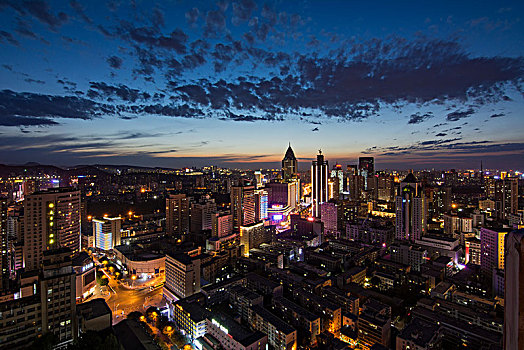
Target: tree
(134,315)
(96,340)
(375,281)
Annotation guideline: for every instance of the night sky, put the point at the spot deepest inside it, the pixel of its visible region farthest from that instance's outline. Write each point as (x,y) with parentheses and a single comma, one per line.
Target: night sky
(230,83)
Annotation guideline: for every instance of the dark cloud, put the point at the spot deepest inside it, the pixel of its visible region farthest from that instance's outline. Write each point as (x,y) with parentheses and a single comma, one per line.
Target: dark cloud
(215,23)
(458,115)
(157,18)
(6,120)
(36,81)
(115,62)
(497,115)
(7,37)
(38,109)
(192,15)
(419,117)
(101,90)
(24,29)
(40,10)
(314,129)
(242,11)
(79,9)
(29,108)
(441,134)
(152,38)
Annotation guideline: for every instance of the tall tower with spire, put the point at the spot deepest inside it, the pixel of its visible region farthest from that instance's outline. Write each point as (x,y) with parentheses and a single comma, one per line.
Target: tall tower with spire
(289,164)
(319,183)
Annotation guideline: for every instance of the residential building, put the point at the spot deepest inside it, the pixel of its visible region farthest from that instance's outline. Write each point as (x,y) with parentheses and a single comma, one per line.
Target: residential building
(51,220)
(182,276)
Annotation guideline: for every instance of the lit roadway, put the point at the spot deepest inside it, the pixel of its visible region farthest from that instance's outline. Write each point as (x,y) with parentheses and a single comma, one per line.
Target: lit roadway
(128,300)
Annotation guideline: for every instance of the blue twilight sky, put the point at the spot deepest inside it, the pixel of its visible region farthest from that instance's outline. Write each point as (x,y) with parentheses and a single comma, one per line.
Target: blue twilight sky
(415,84)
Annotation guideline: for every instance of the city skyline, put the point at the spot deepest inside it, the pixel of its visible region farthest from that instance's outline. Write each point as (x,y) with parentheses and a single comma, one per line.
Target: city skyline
(231,83)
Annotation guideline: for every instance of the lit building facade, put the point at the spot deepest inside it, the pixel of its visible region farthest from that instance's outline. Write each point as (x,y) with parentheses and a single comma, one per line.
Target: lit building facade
(58,295)
(514,291)
(252,236)
(182,276)
(242,206)
(289,164)
(52,220)
(319,183)
(107,232)
(492,249)
(411,210)
(177,214)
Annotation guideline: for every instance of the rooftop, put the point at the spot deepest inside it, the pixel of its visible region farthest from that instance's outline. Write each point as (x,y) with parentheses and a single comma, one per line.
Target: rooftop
(93,309)
(239,333)
(132,336)
(419,332)
(274,320)
(135,253)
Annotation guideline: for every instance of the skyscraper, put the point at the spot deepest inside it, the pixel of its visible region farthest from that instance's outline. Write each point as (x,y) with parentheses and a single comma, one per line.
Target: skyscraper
(242,206)
(514,291)
(182,276)
(58,295)
(289,164)
(338,175)
(106,232)
(261,205)
(492,249)
(52,220)
(177,214)
(506,197)
(4,244)
(201,215)
(252,236)
(319,183)
(411,210)
(366,166)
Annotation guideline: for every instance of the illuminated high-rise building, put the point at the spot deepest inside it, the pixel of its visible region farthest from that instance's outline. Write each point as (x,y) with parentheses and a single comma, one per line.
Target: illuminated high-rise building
(514,291)
(4,244)
(202,214)
(411,210)
(319,183)
(177,214)
(492,249)
(506,197)
(242,206)
(261,205)
(253,235)
(52,220)
(289,164)
(107,232)
(366,166)
(337,174)
(328,214)
(182,276)
(222,224)
(58,295)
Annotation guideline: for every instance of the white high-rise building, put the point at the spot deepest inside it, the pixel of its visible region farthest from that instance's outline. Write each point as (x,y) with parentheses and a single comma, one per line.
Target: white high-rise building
(107,232)
(182,276)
